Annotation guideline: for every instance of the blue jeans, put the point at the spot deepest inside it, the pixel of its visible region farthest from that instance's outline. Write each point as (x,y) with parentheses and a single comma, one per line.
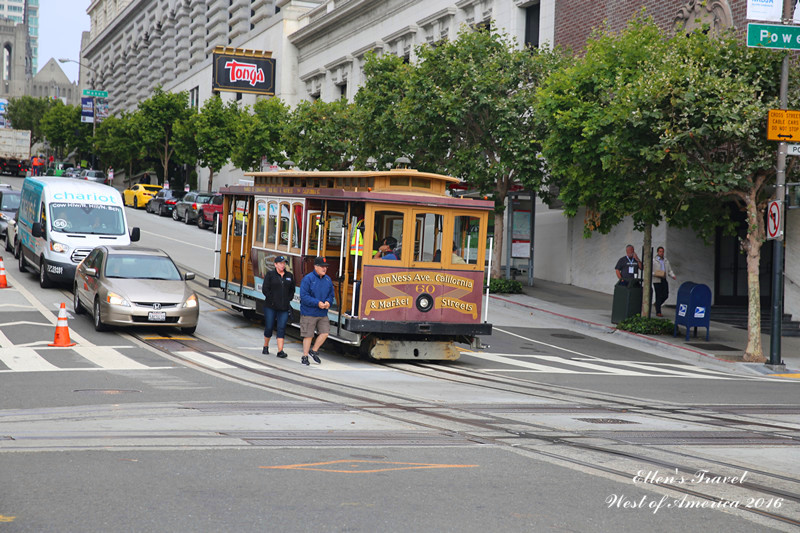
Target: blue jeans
(271,316)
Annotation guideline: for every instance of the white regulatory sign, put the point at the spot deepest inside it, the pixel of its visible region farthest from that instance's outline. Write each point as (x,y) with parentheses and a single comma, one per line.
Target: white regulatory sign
(774,222)
(793,149)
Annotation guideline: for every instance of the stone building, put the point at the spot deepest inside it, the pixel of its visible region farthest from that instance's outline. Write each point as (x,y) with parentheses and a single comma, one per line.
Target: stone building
(320,45)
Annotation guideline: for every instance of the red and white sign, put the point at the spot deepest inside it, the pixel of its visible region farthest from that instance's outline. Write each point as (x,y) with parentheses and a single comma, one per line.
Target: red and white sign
(248,72)
(774,220)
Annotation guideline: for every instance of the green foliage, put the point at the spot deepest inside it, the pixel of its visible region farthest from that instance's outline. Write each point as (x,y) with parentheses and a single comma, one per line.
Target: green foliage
(116,142)
(647,326)
(319,135)
(507,286)
(260,134)
(62,127)
(155,120)
(26,112)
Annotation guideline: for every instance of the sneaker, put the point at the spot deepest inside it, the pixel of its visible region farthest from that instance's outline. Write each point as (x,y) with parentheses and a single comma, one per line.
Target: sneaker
(315,356)
(265,350)
(281,354)
(304,360)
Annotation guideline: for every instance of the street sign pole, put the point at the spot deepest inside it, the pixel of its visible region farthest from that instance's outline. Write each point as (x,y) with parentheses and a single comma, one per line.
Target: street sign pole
(780,193)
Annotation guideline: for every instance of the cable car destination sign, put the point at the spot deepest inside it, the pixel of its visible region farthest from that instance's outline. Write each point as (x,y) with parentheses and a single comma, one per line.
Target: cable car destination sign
(243,71)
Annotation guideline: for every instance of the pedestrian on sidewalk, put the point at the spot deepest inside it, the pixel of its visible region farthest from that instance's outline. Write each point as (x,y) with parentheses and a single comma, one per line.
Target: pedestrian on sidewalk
(628,266)
(316,297)
(661,269)
(278,289)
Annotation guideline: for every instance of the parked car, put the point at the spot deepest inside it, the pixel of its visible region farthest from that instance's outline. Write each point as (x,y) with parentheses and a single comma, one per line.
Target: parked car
(9,205)
(97,176)
(188,208)
(11,237)
(210,212)
(138,195)
(134,286)
(164,202)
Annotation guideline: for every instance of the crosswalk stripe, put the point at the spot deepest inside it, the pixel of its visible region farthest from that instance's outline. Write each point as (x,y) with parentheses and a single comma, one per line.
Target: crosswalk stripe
(203,360)
(589,366)
(690,372)
(107,358)
(504,359)
(25,360)
(240,360)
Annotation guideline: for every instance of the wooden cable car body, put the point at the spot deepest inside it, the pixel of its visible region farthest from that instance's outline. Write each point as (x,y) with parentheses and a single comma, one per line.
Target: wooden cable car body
(414,306)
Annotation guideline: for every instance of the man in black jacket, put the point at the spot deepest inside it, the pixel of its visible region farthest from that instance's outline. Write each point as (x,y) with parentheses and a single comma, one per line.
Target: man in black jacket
(278,289)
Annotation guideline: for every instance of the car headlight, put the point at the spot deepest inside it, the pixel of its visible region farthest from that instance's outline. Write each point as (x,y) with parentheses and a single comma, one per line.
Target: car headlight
(191,301)
(3,217)
(58,247)
(115,299)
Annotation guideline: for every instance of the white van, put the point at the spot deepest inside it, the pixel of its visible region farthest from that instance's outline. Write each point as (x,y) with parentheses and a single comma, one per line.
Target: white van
(61,220)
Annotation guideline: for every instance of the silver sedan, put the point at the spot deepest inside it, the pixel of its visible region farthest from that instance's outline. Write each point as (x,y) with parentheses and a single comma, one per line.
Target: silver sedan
(134,286)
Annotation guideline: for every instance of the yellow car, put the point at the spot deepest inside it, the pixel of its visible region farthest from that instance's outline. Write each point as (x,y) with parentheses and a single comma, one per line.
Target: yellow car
(138,195)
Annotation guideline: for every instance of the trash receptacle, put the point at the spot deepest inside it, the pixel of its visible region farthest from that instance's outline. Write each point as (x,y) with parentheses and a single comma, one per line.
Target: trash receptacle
(627,301)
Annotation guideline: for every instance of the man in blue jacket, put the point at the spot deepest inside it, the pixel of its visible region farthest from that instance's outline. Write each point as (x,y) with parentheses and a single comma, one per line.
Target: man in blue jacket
(316,297)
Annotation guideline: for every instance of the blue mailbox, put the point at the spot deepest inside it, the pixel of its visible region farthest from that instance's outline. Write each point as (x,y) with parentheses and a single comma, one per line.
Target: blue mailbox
(692,308)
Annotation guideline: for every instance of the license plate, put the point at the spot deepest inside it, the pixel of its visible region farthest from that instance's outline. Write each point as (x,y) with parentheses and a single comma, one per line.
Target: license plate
(157,316)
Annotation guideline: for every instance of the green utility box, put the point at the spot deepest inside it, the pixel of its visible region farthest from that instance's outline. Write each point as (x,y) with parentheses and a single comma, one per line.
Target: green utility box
(627,301)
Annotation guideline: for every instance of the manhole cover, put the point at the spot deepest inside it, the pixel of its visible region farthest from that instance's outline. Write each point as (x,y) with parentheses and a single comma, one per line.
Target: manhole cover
(567,336)
(606,421)
(105,391)
(713,347)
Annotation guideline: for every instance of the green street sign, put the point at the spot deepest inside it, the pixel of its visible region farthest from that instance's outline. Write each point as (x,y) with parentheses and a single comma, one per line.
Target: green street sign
(773,36)
(96,94)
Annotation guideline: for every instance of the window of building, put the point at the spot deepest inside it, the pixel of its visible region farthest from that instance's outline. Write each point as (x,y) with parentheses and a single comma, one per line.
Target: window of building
(194,97)
(532,18)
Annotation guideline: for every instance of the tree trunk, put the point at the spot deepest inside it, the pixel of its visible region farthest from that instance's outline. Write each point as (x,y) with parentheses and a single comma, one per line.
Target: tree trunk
(647,269)
(165,162)
(210,178)
(752,246)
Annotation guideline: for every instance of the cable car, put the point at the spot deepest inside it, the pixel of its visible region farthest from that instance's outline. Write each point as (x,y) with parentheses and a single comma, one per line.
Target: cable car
(407,259)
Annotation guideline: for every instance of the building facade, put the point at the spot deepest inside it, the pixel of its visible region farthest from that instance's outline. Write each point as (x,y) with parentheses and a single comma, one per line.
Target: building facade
(320,48)
(25,12)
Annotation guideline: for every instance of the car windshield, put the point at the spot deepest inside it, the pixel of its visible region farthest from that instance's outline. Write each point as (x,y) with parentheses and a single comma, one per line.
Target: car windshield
(10,202)
(141,267)
(91,219)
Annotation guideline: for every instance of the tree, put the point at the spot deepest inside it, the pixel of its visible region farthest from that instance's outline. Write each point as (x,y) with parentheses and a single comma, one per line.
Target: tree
(117,144)
(600,141)
(469,108)
(26,112)
(319,135)
(63,129)
(155,121)
(213,128)
(260,134)
(660,128)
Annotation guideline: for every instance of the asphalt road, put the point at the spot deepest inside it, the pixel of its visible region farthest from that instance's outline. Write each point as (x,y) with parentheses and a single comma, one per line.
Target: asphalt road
(543,430)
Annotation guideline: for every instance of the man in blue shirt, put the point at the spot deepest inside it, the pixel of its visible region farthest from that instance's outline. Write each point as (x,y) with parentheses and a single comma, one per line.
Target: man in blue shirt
(316,297)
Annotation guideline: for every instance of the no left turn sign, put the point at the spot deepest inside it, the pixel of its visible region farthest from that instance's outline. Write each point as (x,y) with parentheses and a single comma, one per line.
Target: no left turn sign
(774,222)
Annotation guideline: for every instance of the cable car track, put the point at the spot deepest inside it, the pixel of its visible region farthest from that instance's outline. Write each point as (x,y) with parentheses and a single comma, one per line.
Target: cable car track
(474,423)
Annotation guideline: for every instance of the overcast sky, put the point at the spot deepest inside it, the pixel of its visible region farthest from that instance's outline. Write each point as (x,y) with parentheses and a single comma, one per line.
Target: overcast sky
(60,25)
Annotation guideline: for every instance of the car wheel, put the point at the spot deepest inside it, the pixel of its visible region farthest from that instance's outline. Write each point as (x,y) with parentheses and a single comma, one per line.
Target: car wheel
(44,281)
(135,203)
(98,320)
(21,256)
(189,331)
(186,219)
(147,207)
(16,249)
(8,243)
(201,221)
(76,302)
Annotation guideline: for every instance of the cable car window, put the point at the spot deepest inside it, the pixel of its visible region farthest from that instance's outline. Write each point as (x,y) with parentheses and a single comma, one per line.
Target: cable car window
(238,218)
(428,237)
(466,239)
(389,231)
(335,223)
(283,234)
(261,222)
(314,218)
(398,181)
(297,227)
(272,223)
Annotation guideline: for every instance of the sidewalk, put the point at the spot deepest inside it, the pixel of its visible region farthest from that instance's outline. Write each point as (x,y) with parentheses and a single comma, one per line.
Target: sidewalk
(589,312)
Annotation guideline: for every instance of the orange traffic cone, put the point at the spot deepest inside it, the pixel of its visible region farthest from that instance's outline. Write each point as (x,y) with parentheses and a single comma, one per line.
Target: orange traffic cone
(3,280)
(62,329)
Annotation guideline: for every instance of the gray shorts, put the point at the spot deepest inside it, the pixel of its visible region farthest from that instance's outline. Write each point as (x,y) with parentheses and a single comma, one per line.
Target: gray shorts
(308,324)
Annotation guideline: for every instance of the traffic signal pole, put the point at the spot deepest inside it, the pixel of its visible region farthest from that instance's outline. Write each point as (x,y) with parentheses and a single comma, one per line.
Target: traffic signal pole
(780,195)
